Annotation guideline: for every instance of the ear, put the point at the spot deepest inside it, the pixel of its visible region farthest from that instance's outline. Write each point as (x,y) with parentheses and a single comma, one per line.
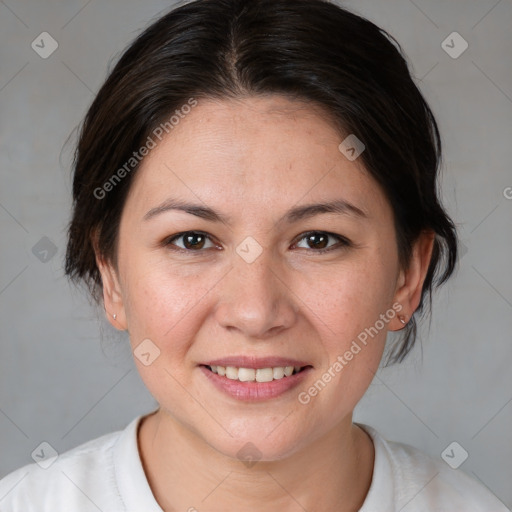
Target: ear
(410,281)
(112,295)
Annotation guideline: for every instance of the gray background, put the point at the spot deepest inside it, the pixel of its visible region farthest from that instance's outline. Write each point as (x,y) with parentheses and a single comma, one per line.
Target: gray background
(67,377)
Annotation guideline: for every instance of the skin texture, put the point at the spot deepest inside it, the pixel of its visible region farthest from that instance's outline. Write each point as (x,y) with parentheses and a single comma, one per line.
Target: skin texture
(253,159)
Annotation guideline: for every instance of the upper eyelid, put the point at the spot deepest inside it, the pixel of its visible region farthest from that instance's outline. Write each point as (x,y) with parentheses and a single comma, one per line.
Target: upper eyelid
(177,236)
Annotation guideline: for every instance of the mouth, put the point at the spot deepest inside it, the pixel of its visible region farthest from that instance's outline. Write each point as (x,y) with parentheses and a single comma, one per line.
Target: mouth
(255,379)
(268,374)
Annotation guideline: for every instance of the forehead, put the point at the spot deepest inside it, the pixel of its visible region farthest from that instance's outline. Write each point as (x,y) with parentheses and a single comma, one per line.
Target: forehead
(257,151)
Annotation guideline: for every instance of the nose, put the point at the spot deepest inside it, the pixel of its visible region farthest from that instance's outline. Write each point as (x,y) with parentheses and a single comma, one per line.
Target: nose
(255,300)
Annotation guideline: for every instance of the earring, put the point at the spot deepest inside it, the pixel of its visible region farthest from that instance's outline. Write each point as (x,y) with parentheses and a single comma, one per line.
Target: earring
(402,319)
(114,315)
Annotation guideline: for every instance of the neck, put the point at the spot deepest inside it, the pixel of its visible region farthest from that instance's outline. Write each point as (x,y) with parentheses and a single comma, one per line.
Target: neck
(184,473)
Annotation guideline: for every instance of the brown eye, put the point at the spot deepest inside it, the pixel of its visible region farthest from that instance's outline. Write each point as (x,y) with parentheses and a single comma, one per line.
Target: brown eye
(318,241)
(193,241)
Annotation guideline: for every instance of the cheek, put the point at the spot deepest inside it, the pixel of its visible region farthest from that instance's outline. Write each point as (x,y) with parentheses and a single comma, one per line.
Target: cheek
(347,304)
(348,298)
(169,302)
(163,307)
(161,301)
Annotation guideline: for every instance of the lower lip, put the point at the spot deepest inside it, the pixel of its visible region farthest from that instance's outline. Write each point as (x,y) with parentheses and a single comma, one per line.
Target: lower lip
(255,391)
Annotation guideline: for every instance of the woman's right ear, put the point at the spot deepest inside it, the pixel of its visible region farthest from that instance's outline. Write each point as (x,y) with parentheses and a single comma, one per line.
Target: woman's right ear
(112,293)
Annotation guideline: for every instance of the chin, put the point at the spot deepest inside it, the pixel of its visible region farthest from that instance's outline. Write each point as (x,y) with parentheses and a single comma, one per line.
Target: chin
(256,442)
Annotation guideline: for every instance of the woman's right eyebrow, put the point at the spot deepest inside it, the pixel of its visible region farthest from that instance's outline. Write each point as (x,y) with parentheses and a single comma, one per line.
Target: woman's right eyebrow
(198,210)
(338,206)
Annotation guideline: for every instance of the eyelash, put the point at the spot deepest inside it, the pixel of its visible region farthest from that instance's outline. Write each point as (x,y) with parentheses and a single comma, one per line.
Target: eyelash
(343,242)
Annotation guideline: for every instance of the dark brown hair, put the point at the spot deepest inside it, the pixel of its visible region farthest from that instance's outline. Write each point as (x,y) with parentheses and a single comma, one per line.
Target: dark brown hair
(311,50)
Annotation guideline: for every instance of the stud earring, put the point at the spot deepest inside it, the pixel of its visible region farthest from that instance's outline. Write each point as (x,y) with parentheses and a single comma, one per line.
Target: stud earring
(402,319)
(114,315)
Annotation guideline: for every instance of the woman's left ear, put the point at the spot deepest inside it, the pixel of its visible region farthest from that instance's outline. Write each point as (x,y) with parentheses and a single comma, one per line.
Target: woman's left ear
(410,280)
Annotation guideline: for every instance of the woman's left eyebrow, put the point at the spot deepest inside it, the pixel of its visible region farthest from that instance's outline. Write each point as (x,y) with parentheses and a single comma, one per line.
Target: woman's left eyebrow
(338,206)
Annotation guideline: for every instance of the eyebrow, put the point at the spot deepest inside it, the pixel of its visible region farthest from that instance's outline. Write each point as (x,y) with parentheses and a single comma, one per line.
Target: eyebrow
(338,206)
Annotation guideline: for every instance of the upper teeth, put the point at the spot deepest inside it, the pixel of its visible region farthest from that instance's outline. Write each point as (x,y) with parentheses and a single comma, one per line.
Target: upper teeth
(251,374)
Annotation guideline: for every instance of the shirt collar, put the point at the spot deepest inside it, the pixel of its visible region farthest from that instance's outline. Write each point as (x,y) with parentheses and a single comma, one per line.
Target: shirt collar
(132,482)
(381,495)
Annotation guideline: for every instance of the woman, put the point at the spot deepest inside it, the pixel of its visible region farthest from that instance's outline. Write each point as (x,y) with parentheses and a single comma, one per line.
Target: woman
(256,204)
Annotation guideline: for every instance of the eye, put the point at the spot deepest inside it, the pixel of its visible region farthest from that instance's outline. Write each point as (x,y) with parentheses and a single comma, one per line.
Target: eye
(318,241)
(193,241)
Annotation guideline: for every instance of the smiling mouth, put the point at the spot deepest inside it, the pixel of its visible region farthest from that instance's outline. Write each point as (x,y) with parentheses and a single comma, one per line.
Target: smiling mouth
(255,374)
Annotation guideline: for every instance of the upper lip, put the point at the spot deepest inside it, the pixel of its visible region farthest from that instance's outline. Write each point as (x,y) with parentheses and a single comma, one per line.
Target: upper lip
(256,362)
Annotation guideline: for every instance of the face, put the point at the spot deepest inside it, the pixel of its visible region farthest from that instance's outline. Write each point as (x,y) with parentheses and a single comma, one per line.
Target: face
(251,278)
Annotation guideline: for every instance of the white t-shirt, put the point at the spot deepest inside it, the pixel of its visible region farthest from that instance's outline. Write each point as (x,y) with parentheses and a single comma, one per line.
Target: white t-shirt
(106,474)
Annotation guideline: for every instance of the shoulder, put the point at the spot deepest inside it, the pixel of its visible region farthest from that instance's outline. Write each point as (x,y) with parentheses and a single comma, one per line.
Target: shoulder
(69,481)
(416,482)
